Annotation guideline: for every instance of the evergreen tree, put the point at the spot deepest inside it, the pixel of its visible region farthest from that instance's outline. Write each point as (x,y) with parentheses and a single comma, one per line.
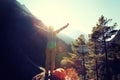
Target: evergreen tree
(98,39)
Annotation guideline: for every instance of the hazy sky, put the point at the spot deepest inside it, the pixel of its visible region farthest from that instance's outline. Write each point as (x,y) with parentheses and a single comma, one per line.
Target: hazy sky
(82,15)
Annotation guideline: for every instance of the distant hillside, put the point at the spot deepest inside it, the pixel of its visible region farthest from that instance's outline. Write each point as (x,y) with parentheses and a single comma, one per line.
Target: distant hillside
(65,38)
(69,39)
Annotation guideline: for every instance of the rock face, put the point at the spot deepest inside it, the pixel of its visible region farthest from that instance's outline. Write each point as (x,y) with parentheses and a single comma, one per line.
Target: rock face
(22,43)
(18,41)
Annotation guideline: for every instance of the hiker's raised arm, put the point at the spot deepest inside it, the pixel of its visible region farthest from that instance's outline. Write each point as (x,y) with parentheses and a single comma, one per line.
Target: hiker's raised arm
(57,31)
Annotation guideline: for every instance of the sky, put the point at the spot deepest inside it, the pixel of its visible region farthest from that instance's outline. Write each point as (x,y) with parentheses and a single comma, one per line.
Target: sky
(81,15)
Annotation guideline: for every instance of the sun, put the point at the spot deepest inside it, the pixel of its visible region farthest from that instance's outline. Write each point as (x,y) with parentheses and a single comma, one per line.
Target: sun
(52,14)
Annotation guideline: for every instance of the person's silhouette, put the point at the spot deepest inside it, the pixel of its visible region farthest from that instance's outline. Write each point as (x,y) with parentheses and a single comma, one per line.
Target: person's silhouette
(51,48)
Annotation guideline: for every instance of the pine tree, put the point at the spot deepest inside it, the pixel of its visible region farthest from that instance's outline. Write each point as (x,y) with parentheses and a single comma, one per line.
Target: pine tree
(98,39)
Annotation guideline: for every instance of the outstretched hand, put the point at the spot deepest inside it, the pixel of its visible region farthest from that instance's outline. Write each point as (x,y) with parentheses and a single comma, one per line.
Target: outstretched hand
(67,24)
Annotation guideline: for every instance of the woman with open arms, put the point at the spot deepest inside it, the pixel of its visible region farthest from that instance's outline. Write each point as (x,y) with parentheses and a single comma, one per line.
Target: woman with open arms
(51,48)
